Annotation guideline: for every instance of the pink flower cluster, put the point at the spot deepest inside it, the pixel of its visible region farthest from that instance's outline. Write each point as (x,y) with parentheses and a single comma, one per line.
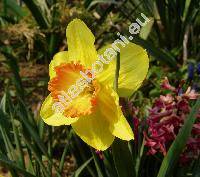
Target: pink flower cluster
(166,117)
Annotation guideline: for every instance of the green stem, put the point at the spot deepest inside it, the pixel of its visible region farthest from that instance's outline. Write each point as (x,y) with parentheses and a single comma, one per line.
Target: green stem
(117,72)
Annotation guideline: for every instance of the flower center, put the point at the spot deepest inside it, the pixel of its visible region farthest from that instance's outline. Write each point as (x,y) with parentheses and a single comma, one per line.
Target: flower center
(72,91)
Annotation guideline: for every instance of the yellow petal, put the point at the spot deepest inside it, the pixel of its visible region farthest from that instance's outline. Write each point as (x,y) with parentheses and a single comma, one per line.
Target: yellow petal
(134,68)
(59,58)
(108,74)
(94,130)
(99,128)
(122,129)
(80,42)
(134,65)
(50,117)
(110,109)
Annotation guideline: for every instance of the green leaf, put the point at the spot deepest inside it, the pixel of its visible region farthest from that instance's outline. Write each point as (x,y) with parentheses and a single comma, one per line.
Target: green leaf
(187,5)
(138,159)
(108,163)
(172,157)
(8,144)
(123,158)
(12,63)
(79,152)
(62,161)
(5,161)
(120,148)
(159,54)
(196,169)
(93,3)
(12,4)
(82,167)
(37,13)
(145,30)
(36,154)
(30,129)
(97,164)
(18,145)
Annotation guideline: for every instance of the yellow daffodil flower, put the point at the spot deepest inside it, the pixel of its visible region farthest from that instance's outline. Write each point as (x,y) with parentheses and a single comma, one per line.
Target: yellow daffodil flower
(95,114)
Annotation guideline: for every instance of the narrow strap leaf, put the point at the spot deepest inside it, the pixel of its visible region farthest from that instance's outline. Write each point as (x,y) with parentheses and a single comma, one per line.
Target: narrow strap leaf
(82,167)
(123,159)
